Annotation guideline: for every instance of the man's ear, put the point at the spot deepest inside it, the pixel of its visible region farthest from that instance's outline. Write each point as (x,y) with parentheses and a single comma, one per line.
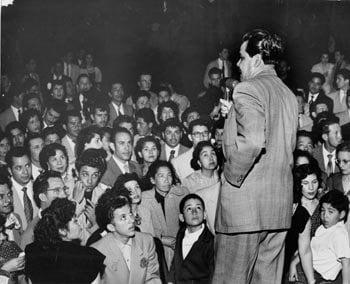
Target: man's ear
(190,137)
(181,217)
(42,197)
(153,181)
(109,94)
(111,145)
(150,125)
(313,114)
(63,232)
(324,137)
(257,60)
(110,228)
(64,126)
(205,215)
(342,215)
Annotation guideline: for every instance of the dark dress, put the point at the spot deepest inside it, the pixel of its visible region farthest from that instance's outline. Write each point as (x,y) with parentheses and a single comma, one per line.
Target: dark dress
(198,266)
(65,262)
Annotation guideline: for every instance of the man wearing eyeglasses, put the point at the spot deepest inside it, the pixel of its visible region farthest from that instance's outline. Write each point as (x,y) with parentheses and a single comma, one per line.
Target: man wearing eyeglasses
(47,187)
(198,131)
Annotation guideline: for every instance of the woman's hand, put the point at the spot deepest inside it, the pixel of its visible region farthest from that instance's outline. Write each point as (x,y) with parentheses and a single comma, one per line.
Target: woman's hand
(14,264)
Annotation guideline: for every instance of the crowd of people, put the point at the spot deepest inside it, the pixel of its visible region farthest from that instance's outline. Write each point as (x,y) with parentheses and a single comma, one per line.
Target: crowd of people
(101,186)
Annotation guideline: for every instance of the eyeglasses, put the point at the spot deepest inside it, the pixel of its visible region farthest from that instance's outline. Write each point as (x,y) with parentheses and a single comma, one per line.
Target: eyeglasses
(58,189)
(345,162)
(200,134)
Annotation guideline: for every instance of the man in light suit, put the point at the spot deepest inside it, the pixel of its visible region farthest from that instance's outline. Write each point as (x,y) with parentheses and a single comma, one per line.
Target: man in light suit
(69,68)
(13,112)
(120,162)
(172,134)
(130,256)
(255,203)
(20,168)
(222,63)
(72,124)
(117,107)
(339,97)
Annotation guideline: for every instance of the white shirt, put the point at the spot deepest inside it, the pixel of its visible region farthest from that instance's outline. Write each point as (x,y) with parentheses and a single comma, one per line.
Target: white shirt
(328,246)
(122,165)
(325,154)
(18,188)
(168,150)
(35,171)
(118,109)
(15,111)
(126,250)
(221,63)
(314,97)
(342,95)
(189,239)
(71,143)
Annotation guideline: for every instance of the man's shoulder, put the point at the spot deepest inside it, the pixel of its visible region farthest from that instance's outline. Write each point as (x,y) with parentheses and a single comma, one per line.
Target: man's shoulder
(143,238)
(148,194)
(182,157)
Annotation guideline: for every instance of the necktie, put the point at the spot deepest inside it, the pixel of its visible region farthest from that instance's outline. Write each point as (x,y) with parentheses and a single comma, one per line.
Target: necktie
(172,155)
(28,207)
(223,69)
(19,112)
(126,168)
(329,169)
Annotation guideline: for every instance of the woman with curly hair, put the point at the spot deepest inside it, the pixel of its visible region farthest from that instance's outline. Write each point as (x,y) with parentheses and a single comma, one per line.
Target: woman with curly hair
(54,157)
(54,256)
(31,120)
(147,151)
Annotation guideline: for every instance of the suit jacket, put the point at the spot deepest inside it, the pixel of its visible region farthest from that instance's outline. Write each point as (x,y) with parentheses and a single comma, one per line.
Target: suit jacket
(144,267)
(74,72)
(113,172)
(162,156)
(6,117)
(259,139)
(182,164)
(19,209)
(215,63)
(334,182)
(338,106)
(198,266)
(344,117)
(70,150)
(318,155)
(322,98)
(128,110)
(28,234)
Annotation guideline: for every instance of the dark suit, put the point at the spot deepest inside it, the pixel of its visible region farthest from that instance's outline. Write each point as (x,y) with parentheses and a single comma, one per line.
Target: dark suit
(324,99)
(345,130)
(198,266)
(6,117)
(318,155)
(113,172)
(128,110)
(334,182)
(162,156)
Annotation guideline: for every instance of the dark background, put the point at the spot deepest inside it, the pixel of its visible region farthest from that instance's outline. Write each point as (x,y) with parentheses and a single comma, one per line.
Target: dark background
(128,36)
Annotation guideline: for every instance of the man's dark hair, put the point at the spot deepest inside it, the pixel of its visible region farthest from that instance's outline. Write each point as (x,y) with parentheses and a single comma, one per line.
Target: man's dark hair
(188,197)
(82,76)
(101,106)
(171,122)
(123,118)
(31,137)
(343,147)
(107,204)
(317,75)
(71,113)
(187,111)
(163,88)
(52,130)
(345,73)
(197,122)
(140,94)
(304,133)
(14,125)
(117,130)
(57,105)
(5,177)
(214,70)
(92,158)
(15,152)
(41,184)
(28,97)
(337,200)
(324,125)
(146,114)
(269,46)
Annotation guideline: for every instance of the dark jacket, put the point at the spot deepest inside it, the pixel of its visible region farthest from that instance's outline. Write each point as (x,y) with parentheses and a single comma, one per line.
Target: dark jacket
(198,266)
(65,262)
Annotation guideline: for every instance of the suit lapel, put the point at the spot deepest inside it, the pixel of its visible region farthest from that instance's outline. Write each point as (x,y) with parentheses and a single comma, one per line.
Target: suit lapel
(18,208)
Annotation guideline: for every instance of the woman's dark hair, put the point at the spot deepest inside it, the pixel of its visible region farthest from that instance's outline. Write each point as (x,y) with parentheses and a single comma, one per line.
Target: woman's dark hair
(123,179)
(108,203)
(27,115)
(50,151)
(168,104)
(85,136)
(55,217)
(154,167)
(93,158)
(141,143)
(197,151)
(300,153)
(300,173)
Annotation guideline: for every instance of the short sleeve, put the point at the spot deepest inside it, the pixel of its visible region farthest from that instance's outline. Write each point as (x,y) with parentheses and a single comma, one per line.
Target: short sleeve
(340,244)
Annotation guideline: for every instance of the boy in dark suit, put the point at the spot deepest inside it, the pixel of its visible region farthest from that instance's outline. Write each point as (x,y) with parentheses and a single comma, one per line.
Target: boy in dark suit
(194,251)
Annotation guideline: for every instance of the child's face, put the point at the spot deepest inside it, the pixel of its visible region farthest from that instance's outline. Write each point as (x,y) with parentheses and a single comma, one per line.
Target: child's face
(330,216)
(193,213)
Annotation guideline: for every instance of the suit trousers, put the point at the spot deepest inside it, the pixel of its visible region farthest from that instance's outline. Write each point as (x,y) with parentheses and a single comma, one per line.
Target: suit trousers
(249,257)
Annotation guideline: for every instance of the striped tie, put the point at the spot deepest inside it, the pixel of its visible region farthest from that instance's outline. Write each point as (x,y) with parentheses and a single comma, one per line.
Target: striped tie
(28,207)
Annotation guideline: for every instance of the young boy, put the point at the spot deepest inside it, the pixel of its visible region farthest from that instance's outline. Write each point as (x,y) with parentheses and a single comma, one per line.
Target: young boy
(330,245)
(130,255)
(194,251)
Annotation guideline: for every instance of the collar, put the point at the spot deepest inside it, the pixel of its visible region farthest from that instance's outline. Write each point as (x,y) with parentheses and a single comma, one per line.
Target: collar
(120,163)
(159,198)
(323,230)
(18,186)
(326,152)
(194,235)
